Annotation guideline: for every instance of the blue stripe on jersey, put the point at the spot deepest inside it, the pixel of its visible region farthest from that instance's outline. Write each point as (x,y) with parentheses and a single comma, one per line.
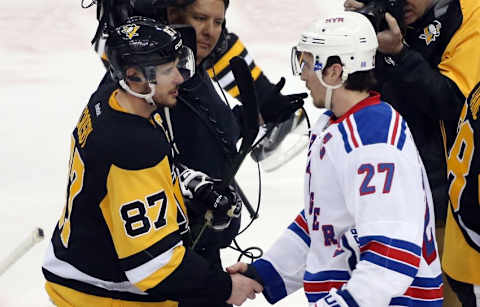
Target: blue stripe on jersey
(327,275)
(406,301)
(413,248)
(390,264)
(373,123)
(328,113)
(299,232)
(403,135)
(341,128)
(312,298)
(426,282)
(348,298)
(274,287)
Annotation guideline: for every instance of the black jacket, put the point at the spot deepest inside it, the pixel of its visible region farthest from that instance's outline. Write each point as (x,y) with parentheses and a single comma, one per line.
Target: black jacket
(427,84)
(206,131)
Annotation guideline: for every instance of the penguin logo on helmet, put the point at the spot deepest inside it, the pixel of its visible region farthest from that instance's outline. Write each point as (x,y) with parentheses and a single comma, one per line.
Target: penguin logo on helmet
(130,31)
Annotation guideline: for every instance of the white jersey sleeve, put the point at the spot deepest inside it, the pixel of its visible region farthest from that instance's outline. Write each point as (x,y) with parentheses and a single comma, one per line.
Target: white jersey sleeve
(283,265)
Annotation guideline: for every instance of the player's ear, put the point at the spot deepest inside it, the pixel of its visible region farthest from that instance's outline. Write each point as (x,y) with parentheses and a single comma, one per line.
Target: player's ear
(133,75)
(334,72)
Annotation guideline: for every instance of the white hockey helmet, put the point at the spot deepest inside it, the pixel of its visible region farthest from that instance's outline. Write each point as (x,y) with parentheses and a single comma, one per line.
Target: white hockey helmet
(348,35)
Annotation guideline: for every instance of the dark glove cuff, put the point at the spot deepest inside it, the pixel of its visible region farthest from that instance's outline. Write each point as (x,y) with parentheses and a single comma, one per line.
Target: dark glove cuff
(252,273)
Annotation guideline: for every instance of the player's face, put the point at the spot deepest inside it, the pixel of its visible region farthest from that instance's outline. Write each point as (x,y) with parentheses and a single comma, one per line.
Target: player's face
(168,81)
(317,90)
(414,9)
(206,17)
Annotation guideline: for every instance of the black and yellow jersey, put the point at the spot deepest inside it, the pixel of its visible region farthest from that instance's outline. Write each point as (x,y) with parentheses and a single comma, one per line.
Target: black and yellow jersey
(222,72)
(122,232)
(461,256)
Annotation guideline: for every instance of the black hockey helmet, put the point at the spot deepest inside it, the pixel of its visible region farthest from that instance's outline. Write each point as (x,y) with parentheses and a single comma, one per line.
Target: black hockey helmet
(144,43)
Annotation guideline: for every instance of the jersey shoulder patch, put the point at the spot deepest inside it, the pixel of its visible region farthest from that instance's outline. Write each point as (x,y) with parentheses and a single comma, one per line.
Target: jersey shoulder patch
(374,124)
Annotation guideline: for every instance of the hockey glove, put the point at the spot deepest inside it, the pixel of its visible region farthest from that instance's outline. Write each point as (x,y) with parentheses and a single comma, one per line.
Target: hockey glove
(221,220)
(276,107)
(197,185)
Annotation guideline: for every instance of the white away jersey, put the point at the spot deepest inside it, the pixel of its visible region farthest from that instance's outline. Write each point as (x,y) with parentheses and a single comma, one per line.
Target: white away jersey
(368,226)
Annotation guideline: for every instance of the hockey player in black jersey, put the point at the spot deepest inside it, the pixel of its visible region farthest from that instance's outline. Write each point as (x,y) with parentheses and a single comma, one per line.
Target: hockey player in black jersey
(122,239)
(205,128)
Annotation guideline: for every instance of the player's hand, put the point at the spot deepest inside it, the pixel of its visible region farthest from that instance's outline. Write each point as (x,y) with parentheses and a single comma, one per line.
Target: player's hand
(352,5)
(243,288)
(239,267)
(390,41)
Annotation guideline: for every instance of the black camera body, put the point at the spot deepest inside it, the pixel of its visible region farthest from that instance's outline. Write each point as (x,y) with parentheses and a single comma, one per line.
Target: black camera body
(375,11)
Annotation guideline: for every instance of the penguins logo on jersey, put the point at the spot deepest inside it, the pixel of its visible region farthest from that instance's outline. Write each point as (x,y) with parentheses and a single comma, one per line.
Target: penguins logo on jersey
(431,32)
(130,31)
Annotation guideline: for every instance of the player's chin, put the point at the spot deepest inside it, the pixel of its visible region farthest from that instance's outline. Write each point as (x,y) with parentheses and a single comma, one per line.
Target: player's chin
(171,101)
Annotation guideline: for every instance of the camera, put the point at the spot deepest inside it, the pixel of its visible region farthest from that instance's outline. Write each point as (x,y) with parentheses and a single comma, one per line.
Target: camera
(375,11)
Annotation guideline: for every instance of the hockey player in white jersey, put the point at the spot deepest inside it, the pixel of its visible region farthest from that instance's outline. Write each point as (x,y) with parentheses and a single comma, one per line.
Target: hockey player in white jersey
(366,236)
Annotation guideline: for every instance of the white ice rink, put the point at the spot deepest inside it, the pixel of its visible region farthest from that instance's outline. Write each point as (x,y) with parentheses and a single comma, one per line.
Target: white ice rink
(47,73)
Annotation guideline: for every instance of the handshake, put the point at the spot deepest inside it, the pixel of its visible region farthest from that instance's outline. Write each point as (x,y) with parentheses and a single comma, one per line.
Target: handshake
(246,283)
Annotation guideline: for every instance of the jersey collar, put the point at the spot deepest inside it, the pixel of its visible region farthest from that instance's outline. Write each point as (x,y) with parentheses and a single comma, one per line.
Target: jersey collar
(374,98)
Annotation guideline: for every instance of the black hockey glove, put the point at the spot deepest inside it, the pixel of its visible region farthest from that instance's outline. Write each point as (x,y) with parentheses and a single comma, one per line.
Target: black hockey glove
(197,185)
(276,108)
(220,220)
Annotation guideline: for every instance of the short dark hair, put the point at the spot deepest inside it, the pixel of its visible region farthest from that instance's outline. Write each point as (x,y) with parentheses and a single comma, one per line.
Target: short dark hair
(225,2)
(358,81)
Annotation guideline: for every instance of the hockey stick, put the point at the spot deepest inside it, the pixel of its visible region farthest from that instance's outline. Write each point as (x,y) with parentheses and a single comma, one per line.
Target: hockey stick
(35,237)
(248,96)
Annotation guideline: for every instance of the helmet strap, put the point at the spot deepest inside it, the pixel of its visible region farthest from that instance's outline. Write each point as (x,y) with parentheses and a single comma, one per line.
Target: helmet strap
(330,88)
(148,97)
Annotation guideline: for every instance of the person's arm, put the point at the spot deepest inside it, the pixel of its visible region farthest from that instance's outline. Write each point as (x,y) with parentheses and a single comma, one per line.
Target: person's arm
(426,88)
(145,217)
(439,91)
(281,269)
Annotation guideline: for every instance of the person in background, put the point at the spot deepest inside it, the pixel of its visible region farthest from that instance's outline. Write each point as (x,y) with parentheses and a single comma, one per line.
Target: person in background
(366,235)
(426,72)
(461,256)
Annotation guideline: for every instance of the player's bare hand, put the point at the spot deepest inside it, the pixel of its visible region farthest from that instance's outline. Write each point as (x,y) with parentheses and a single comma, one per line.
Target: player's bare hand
(238,267)
(352,5)
(390,41)
(243,288)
